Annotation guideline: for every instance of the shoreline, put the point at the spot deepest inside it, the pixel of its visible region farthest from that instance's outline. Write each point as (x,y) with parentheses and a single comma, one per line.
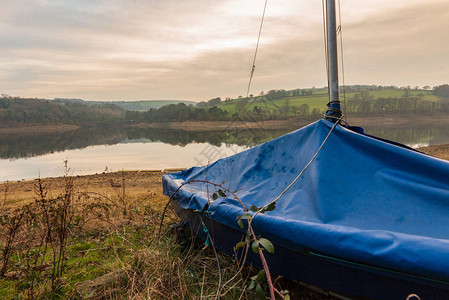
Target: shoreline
(290,123)
(295,123)
(30,128)
(139,184)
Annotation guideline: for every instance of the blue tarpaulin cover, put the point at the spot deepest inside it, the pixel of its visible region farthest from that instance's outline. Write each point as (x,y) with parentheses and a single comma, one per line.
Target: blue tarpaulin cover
(362,199)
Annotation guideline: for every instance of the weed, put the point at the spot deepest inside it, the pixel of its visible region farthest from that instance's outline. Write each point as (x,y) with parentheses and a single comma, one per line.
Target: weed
(81,243)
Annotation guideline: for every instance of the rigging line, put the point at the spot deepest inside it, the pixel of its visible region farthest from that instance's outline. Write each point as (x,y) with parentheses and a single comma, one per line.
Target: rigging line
(342,58)
(217,296)
(326,51)
(303,170)
(251,75)
(257,48)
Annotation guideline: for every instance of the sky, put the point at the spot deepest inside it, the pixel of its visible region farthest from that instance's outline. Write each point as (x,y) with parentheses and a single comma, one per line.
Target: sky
(201,49)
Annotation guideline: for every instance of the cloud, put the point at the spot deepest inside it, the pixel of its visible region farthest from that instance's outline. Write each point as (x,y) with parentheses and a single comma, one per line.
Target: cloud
(200,49)
(407,46)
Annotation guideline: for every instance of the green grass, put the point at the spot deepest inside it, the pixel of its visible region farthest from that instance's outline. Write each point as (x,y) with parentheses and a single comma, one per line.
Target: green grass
(319,99)
(314,101)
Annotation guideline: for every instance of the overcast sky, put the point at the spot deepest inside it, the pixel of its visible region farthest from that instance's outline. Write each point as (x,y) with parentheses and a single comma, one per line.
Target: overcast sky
(200,49)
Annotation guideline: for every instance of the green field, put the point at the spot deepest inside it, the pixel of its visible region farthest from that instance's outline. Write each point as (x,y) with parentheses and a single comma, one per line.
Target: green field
(314,101)
(319,99)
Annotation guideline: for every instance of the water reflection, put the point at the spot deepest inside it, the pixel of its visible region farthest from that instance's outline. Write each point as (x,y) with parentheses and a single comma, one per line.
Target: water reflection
(92,151)
(15,146)
(414,136)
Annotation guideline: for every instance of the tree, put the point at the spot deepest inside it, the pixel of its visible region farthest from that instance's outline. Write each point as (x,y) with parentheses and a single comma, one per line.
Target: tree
(363,95)
(201,104)
(442,90)
(406,93)
(214,101)
(286,108)
(294,110)
(304,109)
(257,110)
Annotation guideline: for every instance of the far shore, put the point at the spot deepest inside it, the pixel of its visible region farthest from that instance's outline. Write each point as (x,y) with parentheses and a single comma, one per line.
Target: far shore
(37,128)
(290,123)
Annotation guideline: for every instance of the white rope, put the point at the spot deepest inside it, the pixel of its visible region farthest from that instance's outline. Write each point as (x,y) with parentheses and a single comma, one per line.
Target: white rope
(301,173)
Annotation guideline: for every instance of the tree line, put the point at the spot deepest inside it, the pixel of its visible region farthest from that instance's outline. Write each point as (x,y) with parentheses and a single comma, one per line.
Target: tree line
(255,108)
(40,111)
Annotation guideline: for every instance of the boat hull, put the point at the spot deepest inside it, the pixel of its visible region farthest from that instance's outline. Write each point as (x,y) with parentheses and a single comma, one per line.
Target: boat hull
(350,279)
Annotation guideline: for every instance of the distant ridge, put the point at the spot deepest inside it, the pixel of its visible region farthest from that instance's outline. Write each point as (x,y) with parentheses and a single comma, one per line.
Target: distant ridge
(140,105)
(144,105)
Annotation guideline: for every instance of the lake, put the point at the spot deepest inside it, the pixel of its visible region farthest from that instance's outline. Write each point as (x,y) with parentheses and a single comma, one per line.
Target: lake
(89,151)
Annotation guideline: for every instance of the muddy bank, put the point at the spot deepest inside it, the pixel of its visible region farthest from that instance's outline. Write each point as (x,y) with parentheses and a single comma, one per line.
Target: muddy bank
(291,123)
(27,129)
(399,121)
(295,123)
(135,184)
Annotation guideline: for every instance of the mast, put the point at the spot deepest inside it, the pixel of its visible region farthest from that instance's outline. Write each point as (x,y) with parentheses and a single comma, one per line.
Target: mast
(334,111)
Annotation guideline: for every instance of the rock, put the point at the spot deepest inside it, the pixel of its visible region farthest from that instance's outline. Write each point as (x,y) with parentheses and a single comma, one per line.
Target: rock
(104,287)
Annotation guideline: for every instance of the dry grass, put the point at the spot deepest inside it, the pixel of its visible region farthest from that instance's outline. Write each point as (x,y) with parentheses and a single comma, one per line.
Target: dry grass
(440,151)
(146,185)
(110,247)
(102,225)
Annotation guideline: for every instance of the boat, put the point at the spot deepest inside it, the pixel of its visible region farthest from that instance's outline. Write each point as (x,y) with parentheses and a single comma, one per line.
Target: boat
(346,211)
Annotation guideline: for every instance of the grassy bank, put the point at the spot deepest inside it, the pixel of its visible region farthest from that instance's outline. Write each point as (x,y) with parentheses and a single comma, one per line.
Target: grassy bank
(97,236)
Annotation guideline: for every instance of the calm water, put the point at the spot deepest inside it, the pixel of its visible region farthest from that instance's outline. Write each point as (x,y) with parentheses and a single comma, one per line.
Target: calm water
(96,151)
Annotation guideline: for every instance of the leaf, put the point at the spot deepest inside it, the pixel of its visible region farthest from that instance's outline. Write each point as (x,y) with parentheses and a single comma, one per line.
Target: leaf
(240,223)
(245,216)
(255,246)
(284,292)
(254,208)
(287,297)
(259,291)
(271,207)
(252,285)
(214,196)
(261,276)
(240,245)
(221,193)
(267,245)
